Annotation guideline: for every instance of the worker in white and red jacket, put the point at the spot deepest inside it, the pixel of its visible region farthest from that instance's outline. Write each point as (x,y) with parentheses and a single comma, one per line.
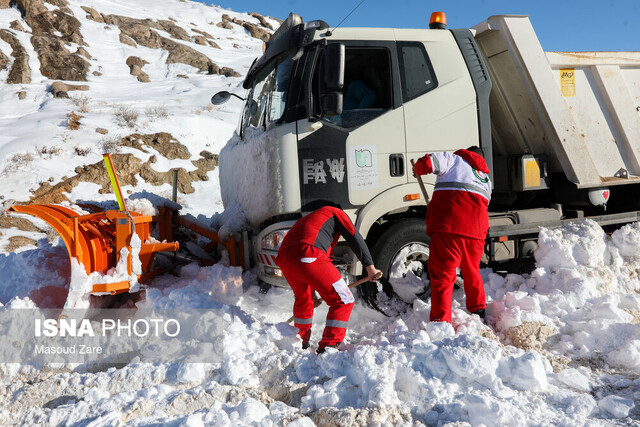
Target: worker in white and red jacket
(457,224)
(305,257)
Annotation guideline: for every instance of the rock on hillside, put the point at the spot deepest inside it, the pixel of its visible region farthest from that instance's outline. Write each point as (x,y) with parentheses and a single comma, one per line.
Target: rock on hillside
(20,72)
(52,32)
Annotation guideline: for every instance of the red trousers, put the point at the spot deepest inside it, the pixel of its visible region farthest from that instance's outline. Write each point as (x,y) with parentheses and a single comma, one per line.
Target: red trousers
(309,269)
(447,252)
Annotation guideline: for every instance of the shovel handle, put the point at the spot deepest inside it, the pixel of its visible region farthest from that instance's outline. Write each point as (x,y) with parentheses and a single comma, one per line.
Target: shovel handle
(318,301)
(361,281)
(419,178)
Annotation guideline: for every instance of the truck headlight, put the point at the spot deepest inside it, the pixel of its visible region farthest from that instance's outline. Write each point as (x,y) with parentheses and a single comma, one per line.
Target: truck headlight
(273,240)
(271,271)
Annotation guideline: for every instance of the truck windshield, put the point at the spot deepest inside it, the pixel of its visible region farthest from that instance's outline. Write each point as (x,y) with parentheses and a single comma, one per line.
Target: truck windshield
(267,98)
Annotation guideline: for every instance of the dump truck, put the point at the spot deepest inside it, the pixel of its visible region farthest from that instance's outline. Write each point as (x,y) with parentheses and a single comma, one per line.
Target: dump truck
(560,132)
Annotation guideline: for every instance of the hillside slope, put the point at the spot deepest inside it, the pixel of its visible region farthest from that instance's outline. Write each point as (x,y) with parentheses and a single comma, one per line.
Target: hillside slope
(131,78)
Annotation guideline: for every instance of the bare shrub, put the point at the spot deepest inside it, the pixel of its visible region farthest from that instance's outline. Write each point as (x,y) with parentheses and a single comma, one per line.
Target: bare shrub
(157,112)
(17,161)
(125,115)
(111,145)
(21,159)
(82,151)
(49,152)
(82,102)
(74,121)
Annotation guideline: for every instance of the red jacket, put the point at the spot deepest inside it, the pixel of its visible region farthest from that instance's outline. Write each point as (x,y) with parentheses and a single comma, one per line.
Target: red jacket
(322,229)
(460,202)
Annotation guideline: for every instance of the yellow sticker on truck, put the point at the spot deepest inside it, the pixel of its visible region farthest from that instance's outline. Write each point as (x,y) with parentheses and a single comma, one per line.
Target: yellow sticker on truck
(568,81)
(531,173)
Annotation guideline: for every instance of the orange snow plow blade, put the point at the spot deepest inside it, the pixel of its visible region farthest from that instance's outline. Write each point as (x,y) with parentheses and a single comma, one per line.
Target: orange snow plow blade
(95,240)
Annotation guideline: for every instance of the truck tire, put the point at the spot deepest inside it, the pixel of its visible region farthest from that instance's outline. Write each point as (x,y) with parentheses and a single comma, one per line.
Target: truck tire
(401,253)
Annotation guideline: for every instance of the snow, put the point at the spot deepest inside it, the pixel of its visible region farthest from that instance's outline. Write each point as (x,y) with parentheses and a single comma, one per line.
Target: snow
(562,345)
(256,194)
(616,406)
(526,372)
(574,379)
(402,277)
(402,368)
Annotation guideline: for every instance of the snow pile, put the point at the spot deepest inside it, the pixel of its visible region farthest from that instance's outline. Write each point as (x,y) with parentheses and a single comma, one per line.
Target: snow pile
(36,275)
(258,194)
(583,370)
(230,221)
(577,244)
(584,287)
(142,206)
(423,369)
(198,288)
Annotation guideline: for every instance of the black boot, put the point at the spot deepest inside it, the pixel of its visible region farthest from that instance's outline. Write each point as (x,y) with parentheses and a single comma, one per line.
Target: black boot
(479,313)
(322,348)
(305,345)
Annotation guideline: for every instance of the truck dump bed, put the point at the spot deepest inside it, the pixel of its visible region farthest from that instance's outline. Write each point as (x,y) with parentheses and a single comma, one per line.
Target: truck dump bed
(581,109)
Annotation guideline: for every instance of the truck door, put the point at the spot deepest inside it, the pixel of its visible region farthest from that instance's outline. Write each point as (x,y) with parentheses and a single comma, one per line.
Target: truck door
(437,92)
(352,157)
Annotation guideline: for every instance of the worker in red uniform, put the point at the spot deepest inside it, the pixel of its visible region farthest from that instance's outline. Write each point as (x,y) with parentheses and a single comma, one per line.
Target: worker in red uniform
(457,223)
(305,260)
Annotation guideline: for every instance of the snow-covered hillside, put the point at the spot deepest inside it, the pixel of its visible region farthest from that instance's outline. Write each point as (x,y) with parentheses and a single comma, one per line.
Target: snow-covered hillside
(37,143)
(562,345)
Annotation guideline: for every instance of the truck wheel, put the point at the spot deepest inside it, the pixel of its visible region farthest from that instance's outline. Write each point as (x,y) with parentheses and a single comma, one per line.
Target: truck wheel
(401,253)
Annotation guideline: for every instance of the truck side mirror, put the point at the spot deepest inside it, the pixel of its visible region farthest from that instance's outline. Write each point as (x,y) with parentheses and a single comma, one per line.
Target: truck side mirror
(223,96)
(332,68)
(220,97)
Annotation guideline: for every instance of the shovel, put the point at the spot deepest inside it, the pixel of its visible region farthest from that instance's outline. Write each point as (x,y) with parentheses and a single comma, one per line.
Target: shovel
(318,300)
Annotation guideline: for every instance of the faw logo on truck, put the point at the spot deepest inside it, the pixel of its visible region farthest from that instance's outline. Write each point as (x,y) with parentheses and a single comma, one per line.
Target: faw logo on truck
(316,172)
(323,167)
